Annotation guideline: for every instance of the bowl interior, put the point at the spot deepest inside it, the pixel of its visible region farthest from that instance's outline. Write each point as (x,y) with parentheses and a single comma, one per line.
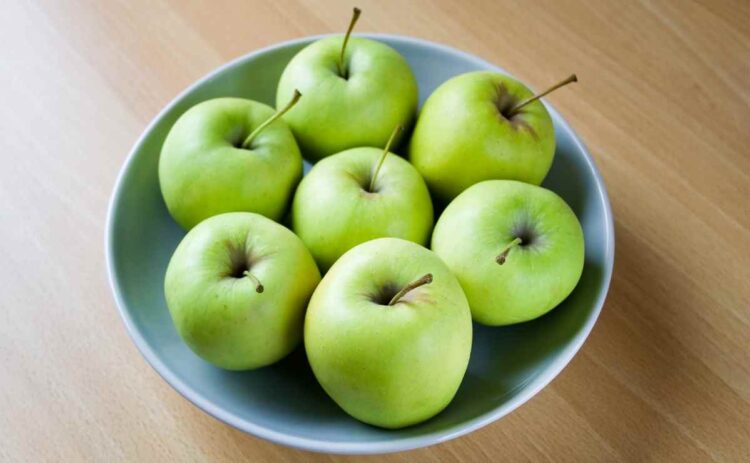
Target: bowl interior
(284,403)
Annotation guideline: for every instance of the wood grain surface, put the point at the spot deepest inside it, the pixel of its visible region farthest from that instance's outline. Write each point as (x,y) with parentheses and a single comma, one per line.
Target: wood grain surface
(663,103)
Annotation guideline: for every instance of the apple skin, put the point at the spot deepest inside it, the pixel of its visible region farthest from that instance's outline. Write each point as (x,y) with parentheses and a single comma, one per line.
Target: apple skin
(389,366)
(461,137)
(332,210)
(537,275)
(218,312)
(203,173)
(335,113)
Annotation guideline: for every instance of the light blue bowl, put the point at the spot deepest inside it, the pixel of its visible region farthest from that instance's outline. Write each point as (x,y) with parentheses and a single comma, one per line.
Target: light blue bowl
(283,403)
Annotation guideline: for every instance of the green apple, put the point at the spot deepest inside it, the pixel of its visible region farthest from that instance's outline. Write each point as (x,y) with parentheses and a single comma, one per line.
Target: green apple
(227,155)
(237,288)
(482,126)
(356,90)
(358,195)
(516,248)
(388,333)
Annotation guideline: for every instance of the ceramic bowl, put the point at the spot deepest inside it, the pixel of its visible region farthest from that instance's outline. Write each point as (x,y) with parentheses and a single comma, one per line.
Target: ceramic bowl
(283,403)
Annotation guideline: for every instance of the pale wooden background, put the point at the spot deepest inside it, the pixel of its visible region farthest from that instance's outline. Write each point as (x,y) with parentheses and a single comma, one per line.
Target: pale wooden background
(663,103)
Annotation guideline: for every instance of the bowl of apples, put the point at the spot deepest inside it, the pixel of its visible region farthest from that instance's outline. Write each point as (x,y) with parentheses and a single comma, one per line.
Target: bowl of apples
(359,243)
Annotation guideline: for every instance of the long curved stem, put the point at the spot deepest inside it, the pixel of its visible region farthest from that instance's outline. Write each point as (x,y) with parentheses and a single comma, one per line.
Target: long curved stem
(425,280)
(355,16)
(516,108)
(270,120)
(386,150)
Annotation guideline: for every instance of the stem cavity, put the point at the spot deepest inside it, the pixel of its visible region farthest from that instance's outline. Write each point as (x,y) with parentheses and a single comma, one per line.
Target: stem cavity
(258,286)
(248,141)
(387,149)
(500,259)
(355,16)
(425,280)
(516,108)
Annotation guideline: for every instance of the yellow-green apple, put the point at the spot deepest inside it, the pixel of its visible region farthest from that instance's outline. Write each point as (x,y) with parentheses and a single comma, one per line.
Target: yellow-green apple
(237,287)
(388,333)
(227,155)
(481,126)
(356,90)
(516,248)
(358,195)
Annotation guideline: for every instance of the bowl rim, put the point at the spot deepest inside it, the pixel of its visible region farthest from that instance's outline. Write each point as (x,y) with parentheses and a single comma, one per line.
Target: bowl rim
(343,447)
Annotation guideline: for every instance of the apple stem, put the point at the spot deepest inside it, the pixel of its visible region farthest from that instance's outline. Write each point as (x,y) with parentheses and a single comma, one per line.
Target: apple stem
(426,279)
(355,16)
(500,259)
(254,133)
(387,149)
(258,286)
(516,108)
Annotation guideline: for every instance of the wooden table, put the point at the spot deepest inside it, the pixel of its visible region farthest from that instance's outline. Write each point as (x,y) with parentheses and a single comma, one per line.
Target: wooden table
(663,103)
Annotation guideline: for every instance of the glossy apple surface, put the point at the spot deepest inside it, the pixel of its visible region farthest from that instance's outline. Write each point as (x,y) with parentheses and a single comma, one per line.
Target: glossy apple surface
(465,135)
(204,171)
(338,112)
(531,277)
(334,209)
(219,310)
(389,365)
